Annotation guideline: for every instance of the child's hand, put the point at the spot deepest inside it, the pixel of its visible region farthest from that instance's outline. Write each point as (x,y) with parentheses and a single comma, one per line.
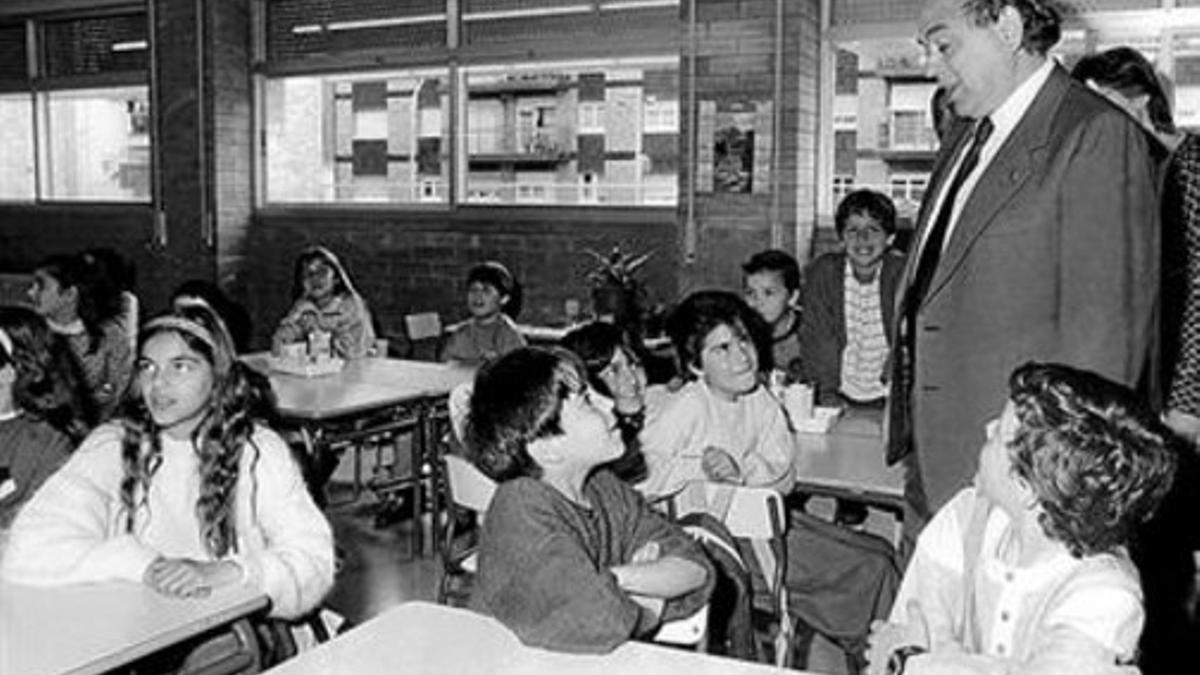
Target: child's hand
(653,605)
(719,466)
(184,578)
(886,637)
(648,553)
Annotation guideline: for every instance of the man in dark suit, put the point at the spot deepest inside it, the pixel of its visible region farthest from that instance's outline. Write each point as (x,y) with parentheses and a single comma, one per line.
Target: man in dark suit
(1038,239)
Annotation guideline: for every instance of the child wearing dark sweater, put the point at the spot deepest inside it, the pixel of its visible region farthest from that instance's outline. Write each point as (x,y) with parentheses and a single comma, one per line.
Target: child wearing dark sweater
(571,558)
(41,414)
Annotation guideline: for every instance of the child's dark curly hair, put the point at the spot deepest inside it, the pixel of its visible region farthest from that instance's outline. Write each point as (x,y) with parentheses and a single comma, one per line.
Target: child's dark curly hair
(1097,460)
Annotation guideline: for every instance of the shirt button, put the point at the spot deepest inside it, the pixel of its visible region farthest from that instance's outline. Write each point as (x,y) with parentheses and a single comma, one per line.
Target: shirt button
(1004,616)
(1000,650)
(1009,576)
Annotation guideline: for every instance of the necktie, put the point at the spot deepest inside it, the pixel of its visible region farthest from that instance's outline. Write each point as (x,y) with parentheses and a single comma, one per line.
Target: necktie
(900,419)
(931,253)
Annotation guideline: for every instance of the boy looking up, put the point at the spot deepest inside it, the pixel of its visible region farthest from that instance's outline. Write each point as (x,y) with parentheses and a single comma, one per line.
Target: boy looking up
(1027,572)
(570,558)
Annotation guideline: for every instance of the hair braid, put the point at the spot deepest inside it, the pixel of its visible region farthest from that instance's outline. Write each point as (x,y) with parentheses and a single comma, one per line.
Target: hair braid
(141,455)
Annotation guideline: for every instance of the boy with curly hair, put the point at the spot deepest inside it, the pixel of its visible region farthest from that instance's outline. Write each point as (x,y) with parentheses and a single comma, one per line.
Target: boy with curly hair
(1027,571)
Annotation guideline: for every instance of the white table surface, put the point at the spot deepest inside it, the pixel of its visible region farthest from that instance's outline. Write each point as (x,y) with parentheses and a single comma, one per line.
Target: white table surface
(361,385)
(92,628)
(419,637)
(849,461)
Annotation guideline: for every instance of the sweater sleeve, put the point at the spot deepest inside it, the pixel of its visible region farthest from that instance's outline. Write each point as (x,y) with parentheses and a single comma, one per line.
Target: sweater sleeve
(353,334)
(643,525)
(935,573)
(293,563)
(820,333)
(671,444)
(72,530)
(290,329)
(770,462)
(537,576)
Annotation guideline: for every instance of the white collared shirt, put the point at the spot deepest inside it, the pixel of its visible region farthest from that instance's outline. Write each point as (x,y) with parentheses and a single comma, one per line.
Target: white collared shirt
(1004,120)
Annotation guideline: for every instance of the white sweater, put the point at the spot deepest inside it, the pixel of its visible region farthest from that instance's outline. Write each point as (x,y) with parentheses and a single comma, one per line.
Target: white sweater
(73,529)
(753,429)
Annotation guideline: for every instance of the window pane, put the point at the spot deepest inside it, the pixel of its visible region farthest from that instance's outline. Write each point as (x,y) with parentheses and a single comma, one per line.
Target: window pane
(98,144)
(884,120)
(16,137)
(598,133)
(378,138)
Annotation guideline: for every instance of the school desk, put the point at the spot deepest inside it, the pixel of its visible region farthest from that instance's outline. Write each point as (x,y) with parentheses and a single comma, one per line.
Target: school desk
(93,628)
(420,638)
(848,462)
(369,397)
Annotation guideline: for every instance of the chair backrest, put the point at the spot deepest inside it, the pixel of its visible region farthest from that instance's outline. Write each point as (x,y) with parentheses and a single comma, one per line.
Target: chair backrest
(758,515)
(424,328)
(755,513)
(689,631)
(468,487)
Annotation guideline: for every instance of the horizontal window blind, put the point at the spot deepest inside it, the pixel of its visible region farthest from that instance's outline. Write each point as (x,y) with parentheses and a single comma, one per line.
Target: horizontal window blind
(96,45)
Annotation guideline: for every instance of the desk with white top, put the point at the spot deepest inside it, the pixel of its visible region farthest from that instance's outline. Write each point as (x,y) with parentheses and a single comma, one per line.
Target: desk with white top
(93,628)
(420,638)
(368,397)
(848,462)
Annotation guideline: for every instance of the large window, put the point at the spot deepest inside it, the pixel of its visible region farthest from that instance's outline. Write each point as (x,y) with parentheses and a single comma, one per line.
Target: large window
(97,144)
(371,138)
(17,178)
(75,125)
(599,133)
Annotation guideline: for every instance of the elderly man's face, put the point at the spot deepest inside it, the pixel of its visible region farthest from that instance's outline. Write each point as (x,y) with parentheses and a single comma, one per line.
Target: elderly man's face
(976,65)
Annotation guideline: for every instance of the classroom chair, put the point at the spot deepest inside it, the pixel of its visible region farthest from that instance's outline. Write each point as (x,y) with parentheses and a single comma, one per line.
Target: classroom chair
(758,516)
(468,493)
(423,334)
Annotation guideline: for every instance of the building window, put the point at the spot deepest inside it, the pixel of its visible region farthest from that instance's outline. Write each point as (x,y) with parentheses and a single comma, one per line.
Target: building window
(600,133)
(377,138)
(842,186)
(83,132)
(18,180)
(910,120)
(908,190)
(98,144)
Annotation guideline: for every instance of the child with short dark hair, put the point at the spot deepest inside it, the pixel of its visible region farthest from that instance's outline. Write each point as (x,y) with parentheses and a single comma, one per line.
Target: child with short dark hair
(41,415)
(324,300)
(494,300)
(849,301)
(771,281)
(571,558)
(82,303)
(725,427)
(1027,572)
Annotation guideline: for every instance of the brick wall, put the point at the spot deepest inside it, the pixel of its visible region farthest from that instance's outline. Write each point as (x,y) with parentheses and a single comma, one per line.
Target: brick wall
(735,63)
(419,263)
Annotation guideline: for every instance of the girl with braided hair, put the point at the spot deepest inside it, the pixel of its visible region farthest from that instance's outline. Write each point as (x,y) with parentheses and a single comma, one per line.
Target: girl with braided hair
(186,490)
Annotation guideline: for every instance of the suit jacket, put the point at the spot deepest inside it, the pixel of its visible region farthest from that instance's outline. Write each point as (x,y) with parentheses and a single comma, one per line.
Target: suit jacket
(1054,257)
(823,321)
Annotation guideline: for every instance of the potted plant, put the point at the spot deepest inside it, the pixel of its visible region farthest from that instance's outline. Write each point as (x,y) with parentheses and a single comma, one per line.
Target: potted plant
(618,294)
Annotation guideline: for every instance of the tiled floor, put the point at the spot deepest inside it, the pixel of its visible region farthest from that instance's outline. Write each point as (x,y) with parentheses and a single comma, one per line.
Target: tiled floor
(378,571)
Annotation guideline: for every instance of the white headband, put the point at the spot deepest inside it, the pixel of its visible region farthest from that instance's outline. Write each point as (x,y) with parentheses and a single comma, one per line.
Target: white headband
(186,325)
(6,342)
